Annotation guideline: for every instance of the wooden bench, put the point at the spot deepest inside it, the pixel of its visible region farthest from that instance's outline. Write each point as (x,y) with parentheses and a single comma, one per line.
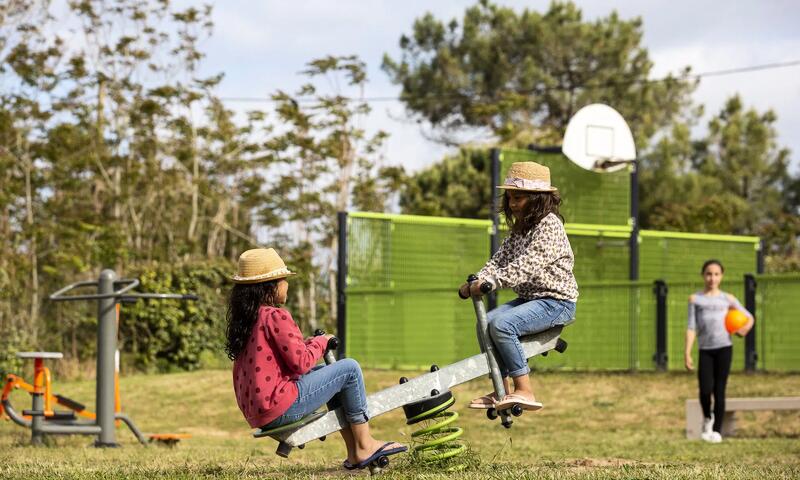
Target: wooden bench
(694,413)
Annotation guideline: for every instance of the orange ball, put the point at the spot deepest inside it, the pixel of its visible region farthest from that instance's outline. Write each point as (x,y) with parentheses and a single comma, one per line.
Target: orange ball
(735,320)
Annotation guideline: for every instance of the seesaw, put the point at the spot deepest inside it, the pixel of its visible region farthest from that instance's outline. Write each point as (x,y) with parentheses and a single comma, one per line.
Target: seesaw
(424,397)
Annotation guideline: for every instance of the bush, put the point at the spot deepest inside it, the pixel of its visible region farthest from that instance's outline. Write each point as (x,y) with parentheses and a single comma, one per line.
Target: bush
(170,335)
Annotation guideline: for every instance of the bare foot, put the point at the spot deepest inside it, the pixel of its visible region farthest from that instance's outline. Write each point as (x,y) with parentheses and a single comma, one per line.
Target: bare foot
(369,449)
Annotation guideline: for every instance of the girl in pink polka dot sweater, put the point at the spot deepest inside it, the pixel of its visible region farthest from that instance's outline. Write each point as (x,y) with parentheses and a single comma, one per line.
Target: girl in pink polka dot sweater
(275,376)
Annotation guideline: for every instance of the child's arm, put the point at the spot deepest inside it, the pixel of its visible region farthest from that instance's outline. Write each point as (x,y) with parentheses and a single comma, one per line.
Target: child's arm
(542,251)
(298,355)
(734,303)
(691,327)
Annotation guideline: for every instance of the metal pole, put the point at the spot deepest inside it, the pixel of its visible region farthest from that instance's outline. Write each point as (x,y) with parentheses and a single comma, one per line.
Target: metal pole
(495,237)
(491,360)
(634,241)
(106,350)
(750,352)
(341,285)
(660,289)
(37,421)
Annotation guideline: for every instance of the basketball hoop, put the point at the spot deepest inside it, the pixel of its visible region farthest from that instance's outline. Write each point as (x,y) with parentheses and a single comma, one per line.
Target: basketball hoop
(598,139)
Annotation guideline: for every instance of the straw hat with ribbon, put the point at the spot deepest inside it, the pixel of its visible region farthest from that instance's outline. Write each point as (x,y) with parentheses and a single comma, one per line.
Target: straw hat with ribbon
(260,265)
(528,176)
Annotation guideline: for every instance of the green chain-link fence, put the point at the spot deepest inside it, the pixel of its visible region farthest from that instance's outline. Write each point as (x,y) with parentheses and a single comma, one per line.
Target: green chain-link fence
(778,322)
(403,311)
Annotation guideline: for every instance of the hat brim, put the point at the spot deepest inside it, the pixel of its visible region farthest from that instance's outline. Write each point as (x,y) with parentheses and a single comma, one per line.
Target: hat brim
(509,187)
(260,279)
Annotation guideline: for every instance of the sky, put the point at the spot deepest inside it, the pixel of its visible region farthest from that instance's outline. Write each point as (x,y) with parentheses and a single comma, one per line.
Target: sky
(262,46)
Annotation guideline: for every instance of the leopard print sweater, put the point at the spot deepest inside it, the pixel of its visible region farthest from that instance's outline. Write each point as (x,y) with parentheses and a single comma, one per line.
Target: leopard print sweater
(536,264)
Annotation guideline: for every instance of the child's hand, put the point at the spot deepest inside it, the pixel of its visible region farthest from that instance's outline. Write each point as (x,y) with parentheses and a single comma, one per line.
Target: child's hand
(742,332)
(687,360)
(475,288)
(463,290)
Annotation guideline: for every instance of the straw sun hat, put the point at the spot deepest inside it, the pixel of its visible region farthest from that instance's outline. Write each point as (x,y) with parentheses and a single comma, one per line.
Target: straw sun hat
(260,265)
(528,176)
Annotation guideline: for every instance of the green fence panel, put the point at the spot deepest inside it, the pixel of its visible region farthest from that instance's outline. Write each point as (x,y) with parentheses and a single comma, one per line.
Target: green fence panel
(614,328)
(403,272)
(678,257)
(588,197)
(601,255)
(778,322)
(403,311)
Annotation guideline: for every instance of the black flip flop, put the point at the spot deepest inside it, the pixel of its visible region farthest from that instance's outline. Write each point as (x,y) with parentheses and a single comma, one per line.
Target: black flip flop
(381,452)
(348,466)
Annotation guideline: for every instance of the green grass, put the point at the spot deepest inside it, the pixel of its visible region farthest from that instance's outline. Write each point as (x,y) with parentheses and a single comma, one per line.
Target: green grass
(594,425)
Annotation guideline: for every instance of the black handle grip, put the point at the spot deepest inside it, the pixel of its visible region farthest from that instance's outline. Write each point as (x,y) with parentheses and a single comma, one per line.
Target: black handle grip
(486,287)
(333,342)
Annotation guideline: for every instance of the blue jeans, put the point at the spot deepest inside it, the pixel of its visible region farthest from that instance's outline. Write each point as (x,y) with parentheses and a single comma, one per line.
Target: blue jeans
(518,318)
(321,385)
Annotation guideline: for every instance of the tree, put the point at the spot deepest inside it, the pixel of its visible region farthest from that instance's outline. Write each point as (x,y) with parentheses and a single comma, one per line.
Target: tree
(735,180)
(325,162)
(457,186)
(113,153)
(521,76)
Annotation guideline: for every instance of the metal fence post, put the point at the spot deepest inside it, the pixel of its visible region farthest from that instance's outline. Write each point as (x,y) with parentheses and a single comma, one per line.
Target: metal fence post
(106,353)
(660,358)
(633,267)
(495,237)
(750,353)
(341,285)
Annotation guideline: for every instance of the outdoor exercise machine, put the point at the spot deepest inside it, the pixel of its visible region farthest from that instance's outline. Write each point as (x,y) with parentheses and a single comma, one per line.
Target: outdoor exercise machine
(426,397)
(41,419)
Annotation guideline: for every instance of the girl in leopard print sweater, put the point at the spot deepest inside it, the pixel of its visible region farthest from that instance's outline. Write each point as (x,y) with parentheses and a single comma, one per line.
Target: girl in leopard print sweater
(536,262)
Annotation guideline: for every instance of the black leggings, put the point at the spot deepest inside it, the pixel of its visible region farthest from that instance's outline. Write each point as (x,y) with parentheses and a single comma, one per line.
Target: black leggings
(715,365)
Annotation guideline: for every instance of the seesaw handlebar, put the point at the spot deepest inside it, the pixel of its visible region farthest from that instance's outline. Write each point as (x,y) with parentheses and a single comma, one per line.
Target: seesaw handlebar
(486,287)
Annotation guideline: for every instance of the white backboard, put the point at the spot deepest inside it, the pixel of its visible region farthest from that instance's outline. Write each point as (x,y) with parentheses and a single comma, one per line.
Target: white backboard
(598,139)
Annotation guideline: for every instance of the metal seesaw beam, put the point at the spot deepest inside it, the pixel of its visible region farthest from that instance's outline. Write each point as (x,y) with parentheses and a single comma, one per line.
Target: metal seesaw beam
(416,388)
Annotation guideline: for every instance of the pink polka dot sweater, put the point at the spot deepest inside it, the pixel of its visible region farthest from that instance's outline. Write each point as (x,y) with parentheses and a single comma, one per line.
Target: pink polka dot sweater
(265,372)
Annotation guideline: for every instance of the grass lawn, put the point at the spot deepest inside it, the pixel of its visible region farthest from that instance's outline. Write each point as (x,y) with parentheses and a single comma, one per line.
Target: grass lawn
(594,425)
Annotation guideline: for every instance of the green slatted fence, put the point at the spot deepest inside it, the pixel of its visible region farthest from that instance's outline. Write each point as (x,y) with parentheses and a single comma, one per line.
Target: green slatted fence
(778,322)
(403,311)
(676,256)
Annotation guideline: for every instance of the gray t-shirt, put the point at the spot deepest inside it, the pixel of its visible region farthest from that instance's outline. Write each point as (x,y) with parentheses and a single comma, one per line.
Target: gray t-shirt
(707,318)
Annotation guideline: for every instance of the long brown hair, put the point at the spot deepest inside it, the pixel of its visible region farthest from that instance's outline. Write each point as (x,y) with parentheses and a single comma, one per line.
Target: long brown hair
(243,305)
(539,205)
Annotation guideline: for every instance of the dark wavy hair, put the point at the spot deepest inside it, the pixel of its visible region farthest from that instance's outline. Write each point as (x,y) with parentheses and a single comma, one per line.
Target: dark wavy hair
(243,305)
(712,261)
(540,204)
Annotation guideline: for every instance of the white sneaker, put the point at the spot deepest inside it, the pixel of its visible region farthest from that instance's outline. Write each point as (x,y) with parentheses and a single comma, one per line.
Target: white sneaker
(708,424)
(711,437)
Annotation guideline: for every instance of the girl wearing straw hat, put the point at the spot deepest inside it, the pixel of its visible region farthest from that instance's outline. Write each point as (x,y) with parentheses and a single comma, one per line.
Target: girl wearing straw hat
(535,261)
(274,374)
